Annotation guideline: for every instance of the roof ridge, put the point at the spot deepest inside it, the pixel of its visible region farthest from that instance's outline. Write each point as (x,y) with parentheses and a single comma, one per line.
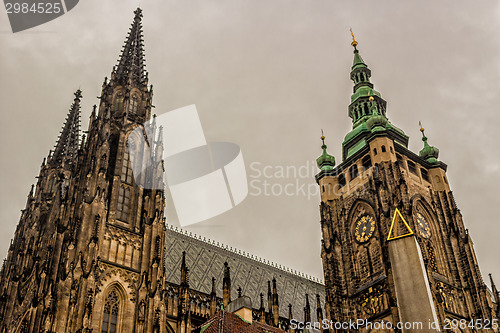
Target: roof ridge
(244,254)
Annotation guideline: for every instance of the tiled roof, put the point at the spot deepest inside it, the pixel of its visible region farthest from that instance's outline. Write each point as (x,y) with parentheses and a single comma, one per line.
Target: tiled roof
(232,323)
(205,260)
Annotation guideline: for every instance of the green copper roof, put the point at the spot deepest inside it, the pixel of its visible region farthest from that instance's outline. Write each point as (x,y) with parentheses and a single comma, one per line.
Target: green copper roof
(367,110)
(325,161)
(364,91)
(376,122)
(428,153)
(358,61)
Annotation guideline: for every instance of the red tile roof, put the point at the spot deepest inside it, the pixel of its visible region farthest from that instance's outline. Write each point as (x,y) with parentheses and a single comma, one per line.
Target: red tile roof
(232,323)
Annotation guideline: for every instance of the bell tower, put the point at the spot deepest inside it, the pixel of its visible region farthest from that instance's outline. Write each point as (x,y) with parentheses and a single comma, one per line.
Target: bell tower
(394,245)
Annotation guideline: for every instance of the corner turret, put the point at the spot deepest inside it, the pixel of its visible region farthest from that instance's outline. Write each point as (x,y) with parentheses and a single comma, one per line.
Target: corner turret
(325,161)
(428,153)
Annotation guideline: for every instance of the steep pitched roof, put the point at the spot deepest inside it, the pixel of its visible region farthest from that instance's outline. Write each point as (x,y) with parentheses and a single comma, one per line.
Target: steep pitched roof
(206,260)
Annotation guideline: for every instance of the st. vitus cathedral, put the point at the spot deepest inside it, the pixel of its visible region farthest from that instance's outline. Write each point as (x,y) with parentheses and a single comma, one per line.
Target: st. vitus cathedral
(93,253)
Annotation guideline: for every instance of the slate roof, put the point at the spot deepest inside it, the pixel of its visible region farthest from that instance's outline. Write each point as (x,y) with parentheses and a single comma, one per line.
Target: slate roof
(205,260)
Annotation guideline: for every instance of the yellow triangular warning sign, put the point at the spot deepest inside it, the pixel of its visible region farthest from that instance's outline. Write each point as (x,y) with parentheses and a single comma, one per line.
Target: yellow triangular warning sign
(403,230)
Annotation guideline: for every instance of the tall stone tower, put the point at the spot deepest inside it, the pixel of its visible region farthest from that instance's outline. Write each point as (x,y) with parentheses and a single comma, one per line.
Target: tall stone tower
(394,245)
(88,252)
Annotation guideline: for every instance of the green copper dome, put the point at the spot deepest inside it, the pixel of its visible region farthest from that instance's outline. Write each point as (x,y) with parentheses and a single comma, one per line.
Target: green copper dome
(428,153)
(325,161)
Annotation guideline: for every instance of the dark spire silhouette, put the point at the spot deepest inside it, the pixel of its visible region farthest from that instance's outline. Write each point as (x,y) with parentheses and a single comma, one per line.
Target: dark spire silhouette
(66,149)
(226,286)
(184,271)
(319,310)
(307,310)
(131,62)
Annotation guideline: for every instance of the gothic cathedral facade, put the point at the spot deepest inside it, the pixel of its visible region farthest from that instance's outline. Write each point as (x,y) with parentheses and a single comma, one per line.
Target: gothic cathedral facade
(89,246)
(394,245)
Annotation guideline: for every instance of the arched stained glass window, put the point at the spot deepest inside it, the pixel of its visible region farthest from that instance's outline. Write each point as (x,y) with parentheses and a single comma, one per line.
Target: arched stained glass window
(126,167)
(110,314)
(133,104)
(118,102)
(123,202)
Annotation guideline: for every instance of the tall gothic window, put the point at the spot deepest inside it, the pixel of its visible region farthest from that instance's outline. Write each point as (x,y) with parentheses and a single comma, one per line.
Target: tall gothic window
(126,167)
(51,188)
(110,314)
(134,103)
(118,102)
(123,204)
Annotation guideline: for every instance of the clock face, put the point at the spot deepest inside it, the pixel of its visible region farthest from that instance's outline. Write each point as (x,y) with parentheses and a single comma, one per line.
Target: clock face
(364,228)
(423,226)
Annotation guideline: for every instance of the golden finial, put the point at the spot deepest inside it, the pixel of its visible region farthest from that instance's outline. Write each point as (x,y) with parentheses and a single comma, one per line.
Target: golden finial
(354,42)
(421,128)
(322,135)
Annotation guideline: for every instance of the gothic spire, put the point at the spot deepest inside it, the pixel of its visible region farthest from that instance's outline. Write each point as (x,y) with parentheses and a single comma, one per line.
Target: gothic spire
(131,62)
(496,293)
(184,271)
(275,304)
(307,310)
(226,286)
(367,110)
(66,148)
(319,310)
(361,107)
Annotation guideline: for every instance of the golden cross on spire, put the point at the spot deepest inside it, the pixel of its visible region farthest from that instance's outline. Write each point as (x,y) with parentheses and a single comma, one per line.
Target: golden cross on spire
(354,42)
(421,128)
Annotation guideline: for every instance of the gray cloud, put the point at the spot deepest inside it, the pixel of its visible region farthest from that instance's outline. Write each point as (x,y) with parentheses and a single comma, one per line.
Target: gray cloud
(269,75)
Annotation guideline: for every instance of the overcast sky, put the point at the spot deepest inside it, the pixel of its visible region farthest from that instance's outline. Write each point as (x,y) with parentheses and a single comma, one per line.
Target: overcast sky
(268,75)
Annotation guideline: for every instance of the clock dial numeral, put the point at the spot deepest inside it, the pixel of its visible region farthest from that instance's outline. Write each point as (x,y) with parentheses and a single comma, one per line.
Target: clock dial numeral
(423,226)
(365,228)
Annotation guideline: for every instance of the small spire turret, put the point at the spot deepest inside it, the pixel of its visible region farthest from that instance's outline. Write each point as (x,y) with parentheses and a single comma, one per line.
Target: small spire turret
(325,161)
(496,293)
(262,310)
(319,310)
(275,304)
(428,153)
(307,310)
(66,149)
(226,285)
(213,299)
(184,271)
